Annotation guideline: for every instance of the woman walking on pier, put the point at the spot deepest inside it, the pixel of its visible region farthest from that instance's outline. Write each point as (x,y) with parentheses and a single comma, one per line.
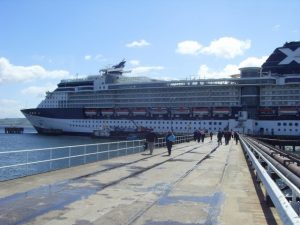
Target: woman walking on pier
(170,138)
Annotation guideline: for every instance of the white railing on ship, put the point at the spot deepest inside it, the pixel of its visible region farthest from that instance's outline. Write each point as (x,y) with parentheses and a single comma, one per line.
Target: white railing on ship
(15,164)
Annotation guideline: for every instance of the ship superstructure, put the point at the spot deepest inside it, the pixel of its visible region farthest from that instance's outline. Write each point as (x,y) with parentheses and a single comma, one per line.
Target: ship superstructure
(262,100)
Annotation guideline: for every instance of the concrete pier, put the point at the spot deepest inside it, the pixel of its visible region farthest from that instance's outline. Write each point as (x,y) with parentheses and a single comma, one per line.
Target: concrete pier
(200,183)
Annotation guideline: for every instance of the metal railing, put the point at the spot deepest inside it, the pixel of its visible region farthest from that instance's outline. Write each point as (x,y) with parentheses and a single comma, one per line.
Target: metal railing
(287,210)
(15,164)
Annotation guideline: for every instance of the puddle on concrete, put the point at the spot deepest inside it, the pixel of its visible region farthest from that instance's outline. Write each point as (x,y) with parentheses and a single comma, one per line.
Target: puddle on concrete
(23,207)
(211,200)
(214,203)
(168,222)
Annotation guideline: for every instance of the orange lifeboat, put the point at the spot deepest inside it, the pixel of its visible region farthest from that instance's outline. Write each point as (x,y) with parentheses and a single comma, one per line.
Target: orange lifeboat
(90,112)
(122,112)
(139,112)
(266,111)
(180,111)
(107,112)
(288,111)
(158,111)
(200,111)
(221,111)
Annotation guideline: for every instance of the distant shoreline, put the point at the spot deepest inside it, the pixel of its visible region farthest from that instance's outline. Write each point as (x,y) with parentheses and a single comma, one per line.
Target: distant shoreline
(23,122)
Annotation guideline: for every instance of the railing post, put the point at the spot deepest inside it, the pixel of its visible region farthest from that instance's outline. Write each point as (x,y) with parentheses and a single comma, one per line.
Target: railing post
(97,152)
(108,151)
(118,148)
(51,159)
(27,162)
(126,148)
(69,157)
(294,203)
(84,155)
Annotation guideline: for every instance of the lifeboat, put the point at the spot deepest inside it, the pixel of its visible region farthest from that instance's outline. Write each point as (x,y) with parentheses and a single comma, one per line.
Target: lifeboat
(180,111)
(158,111)
(221,111)
(90,112)
(139,112)
(266,111)
(107,112)
(288,111)
(122,112)
(200,111)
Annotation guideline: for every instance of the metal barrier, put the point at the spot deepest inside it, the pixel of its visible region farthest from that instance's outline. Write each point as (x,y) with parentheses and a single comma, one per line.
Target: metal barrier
(15,164)
(288,211)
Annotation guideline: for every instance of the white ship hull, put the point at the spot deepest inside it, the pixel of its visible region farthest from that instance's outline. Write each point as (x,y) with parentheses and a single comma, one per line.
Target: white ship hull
(88,126)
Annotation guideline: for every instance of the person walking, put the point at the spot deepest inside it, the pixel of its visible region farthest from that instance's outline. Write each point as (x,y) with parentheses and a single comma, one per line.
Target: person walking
(202,135)
(151,137)
(236,137)
(170,139)
(211,135)
(219,136)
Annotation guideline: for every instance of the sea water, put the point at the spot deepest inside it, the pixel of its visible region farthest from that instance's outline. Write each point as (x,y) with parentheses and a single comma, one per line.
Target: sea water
(31,140)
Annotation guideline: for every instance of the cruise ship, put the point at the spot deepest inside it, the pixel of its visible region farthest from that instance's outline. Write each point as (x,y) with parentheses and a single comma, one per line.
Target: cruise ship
(261,100)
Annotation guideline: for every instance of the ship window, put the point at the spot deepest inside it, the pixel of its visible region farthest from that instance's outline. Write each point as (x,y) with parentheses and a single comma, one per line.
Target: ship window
(284,124)
(278,129)
(290,124)
(256,123)
(279,124)
(284,130)
(215,123)
(296,124)
(220,123)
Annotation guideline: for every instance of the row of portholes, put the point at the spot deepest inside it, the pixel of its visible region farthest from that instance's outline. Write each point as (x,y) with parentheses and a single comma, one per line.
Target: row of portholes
(164,128)
(296,130)
(283,124)
(148,122)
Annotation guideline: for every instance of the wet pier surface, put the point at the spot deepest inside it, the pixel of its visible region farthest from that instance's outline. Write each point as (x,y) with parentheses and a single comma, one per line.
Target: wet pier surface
(200,183)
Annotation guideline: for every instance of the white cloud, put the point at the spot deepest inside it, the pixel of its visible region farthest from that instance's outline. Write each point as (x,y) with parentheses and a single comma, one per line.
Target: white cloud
(188,48)
(38,91)
(9,108)
(276,27)
(134,62)
(140,43)
(87,57)
(230,69)
(145,69)
(253,61)
(13,73)
(98,58)
(226,47)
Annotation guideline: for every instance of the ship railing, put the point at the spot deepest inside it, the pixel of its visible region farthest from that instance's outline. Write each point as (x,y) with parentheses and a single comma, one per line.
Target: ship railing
(21,163)
(288,209)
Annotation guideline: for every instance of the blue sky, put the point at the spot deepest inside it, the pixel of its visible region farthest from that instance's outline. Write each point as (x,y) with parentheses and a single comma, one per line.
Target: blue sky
(44,41)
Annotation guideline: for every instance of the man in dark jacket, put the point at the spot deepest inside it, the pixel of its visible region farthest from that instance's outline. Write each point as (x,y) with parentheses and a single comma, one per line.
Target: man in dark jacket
(150,139)
(236,137)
